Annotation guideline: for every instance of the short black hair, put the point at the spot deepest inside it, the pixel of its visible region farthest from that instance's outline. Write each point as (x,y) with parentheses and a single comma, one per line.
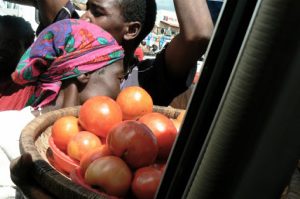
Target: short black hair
(21,28)
(143,11)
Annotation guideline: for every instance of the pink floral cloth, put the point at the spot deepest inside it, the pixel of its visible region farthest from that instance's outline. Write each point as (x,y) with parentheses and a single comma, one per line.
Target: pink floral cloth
(62,51)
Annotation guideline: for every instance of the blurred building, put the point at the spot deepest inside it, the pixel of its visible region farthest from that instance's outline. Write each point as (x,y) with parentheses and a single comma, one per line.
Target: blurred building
(7,8)
(166,23)
(27,12)
(165,28)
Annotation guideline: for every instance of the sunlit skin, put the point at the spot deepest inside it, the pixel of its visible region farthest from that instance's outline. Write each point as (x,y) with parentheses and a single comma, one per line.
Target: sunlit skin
(109,78)
(106,14)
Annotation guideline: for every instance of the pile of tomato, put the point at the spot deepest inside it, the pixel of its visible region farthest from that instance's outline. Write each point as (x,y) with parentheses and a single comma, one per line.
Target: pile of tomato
(121,145)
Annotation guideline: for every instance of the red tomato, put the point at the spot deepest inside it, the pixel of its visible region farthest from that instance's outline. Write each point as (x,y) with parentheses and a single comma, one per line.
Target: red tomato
(164,130)
(63,129)
(92,155)
(99,114)
(134,142)
(111,174)
(134,102)
(81,143)
(145,182)
(77,177)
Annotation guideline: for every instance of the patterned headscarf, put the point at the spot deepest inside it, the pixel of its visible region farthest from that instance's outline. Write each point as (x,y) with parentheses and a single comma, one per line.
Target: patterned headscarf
(64,50)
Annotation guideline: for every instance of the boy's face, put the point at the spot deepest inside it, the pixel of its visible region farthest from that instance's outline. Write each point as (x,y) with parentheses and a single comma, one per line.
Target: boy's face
(108,15)
(105,81)
(11,50)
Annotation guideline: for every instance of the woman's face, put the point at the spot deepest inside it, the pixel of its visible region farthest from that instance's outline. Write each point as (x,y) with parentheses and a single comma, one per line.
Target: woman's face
(105,81)
(108,15)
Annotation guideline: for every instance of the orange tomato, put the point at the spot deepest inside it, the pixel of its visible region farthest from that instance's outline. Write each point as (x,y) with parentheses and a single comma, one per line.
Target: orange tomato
(134,102)
(63,130)
(99,114)
(81,143)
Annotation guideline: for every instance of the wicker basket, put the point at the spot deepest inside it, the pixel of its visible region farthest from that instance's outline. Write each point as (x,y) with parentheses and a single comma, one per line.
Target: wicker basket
(34,140)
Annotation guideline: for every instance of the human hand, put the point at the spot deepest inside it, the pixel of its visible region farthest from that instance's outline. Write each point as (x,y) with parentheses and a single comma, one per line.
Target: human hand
(20,173)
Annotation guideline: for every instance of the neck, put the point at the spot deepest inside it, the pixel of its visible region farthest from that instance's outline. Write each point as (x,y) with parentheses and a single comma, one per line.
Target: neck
(129,59)
(67,97)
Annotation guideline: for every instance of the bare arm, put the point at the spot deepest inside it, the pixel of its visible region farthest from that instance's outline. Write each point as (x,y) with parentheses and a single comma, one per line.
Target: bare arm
(190,44)
(48,9)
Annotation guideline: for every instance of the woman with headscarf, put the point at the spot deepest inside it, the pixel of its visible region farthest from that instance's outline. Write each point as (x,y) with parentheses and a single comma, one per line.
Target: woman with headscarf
(68,51)
(71,61)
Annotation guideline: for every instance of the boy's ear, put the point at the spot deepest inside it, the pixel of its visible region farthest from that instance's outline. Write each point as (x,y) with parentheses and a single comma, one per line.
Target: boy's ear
(133,29)
(84,78)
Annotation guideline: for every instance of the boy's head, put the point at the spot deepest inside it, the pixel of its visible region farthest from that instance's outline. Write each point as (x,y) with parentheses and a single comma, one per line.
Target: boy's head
(16,35)
(129,21)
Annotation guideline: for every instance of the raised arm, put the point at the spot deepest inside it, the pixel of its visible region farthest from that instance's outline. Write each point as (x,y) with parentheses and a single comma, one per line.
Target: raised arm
(190,44)
(48,9)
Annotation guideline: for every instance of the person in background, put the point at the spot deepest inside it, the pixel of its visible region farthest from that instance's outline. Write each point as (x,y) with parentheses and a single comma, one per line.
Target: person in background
(71,61)
(139,53)
(144,48)
(149,40)
(16,35)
